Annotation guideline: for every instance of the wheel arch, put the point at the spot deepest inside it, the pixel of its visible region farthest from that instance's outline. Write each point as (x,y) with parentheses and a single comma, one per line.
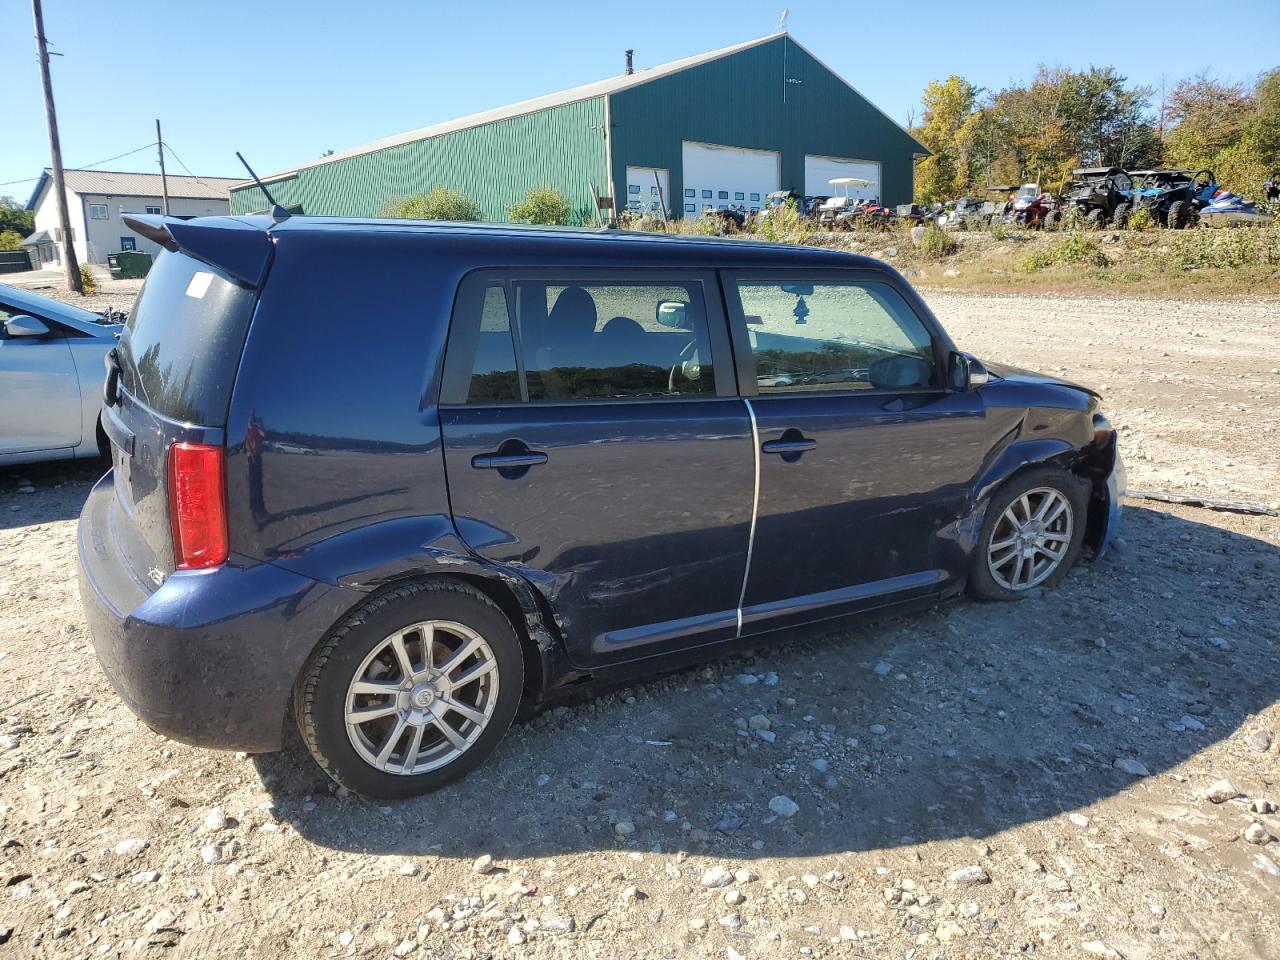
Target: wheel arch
(545,663)
(1092,464)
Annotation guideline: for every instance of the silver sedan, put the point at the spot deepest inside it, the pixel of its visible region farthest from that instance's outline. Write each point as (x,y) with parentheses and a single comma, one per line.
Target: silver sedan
(51,373)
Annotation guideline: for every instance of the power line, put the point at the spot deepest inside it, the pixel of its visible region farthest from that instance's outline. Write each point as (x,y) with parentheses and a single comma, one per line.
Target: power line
(174,153)
(86,166)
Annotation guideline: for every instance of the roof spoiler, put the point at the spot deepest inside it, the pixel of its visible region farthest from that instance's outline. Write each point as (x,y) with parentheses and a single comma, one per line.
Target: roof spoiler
(237,248)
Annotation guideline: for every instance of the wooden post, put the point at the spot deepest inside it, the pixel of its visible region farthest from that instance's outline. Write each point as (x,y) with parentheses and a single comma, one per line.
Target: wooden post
(164,181)
(69,261)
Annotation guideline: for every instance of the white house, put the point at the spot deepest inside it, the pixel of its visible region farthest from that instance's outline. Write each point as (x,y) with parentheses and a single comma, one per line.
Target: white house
(97,199)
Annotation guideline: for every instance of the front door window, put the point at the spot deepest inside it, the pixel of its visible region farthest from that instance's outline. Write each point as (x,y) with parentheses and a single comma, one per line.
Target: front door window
(811,336)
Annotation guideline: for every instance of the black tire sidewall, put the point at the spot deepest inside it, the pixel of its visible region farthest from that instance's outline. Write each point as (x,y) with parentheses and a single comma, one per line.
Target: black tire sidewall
(981,584)
(323,685)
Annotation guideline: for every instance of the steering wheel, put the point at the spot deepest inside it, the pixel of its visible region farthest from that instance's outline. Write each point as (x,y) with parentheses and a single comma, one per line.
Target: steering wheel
(687,367)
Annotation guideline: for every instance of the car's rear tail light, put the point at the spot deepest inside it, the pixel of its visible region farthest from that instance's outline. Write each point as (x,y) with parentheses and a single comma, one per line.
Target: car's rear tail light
(197,505)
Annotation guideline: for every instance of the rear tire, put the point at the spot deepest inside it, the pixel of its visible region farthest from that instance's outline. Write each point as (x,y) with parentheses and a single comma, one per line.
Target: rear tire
(1121,216)
(1176,218)
(1095,219)
(379,715)
(1018,551)
(1052,219)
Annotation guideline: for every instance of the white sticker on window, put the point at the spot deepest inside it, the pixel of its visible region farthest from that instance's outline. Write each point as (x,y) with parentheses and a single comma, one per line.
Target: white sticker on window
(199,284)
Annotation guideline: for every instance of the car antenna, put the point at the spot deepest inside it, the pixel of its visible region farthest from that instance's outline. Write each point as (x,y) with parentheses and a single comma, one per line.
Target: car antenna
(278,213)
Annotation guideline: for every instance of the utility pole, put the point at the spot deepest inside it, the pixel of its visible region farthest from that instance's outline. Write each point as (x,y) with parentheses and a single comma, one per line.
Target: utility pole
(164,182)
(69,261)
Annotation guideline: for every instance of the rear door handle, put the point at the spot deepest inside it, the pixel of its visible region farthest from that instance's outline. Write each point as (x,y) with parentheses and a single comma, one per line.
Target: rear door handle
(785,447)
(508,461)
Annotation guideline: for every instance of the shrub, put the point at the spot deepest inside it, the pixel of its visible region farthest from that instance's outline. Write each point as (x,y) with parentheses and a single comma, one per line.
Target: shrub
(10,240)
(440,203)
(999,230)
(544,205)
(706,224)
(937,244)
(783,224)
(87,283)
(1074,248)
(1237,247)
(1142,220)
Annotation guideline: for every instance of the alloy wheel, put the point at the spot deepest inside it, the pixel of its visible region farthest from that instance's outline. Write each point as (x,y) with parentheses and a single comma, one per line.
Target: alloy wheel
(421,697)
(1031,539)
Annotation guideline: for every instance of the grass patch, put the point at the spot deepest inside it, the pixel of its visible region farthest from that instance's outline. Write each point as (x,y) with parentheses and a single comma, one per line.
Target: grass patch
(937,244)
(1074,248)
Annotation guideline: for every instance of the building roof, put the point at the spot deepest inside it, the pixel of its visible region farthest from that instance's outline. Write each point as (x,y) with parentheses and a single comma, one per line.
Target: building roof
(572,95)
(120,184)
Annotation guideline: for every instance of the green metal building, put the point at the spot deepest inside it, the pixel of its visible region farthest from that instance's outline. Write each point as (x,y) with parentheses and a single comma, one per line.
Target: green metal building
(721,129)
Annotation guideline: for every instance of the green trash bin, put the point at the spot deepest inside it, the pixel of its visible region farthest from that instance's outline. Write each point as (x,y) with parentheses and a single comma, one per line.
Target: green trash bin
(129,264)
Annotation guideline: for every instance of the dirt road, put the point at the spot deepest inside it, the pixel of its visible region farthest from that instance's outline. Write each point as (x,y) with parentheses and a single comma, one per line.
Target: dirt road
(1037,779)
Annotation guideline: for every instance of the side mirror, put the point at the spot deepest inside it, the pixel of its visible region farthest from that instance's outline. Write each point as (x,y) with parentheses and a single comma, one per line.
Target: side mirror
(22,325)
(967,372)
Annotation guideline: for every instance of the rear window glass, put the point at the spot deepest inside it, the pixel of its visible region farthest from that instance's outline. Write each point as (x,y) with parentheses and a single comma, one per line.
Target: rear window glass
(180,349)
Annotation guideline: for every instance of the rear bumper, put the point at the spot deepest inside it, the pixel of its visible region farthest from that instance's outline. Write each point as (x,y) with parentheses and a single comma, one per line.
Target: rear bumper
(209,658)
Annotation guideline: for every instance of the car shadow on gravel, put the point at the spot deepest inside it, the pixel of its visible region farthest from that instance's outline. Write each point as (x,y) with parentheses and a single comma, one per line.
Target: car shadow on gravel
(959,722)
(45,492)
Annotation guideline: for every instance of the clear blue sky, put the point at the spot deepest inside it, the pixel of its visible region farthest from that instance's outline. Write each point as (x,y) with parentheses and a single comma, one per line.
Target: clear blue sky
(285,80)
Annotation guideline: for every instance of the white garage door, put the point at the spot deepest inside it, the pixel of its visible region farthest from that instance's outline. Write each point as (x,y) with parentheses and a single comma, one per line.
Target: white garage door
(820,171)
(647,190)
(717,178)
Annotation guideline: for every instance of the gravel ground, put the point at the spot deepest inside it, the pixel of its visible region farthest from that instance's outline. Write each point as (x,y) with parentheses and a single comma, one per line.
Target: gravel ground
(1036,779)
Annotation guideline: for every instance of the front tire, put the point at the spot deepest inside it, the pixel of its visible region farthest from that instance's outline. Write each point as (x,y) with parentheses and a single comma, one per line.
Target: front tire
(1030,536)
(1176,218)
(411,691)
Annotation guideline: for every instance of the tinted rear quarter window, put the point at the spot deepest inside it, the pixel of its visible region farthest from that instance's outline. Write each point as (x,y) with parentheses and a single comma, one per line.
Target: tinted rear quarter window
(182,343)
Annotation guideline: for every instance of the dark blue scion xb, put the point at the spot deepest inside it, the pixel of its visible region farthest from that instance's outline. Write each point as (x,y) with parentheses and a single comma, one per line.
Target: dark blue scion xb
(399,478)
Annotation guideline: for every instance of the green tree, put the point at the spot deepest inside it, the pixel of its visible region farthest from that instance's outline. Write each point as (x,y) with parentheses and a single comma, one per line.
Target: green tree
(947,107)
(15,217)
(544,205)
(10,240)
(1204,116)
(440,203)
(1264,125)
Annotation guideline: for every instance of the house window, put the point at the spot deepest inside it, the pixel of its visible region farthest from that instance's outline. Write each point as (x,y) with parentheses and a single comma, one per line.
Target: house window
(153,209)
(706,194)
(755,198)
(633,188)
(739,196)
(690,192)
(688,208)
(128,243)
(724,194)
(97,211)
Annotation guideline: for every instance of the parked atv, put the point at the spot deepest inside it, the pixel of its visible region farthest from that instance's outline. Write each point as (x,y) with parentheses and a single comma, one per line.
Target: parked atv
(965,214)
(1174,197)
(1030,206)
(1102,195)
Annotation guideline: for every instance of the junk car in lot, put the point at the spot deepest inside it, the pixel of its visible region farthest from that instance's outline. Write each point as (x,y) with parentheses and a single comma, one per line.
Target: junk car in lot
(51,362)
(494,464)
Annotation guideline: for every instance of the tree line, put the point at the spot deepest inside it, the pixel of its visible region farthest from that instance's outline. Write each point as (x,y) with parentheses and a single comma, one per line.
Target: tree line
(1039,131)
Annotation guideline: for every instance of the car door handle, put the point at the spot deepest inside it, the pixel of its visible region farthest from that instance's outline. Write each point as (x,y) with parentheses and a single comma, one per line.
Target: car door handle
(788,447)
(508,461)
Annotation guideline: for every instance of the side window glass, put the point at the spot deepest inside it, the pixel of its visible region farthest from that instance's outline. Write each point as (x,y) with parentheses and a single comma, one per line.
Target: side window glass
(480,365)
(815,336)
(613,340)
